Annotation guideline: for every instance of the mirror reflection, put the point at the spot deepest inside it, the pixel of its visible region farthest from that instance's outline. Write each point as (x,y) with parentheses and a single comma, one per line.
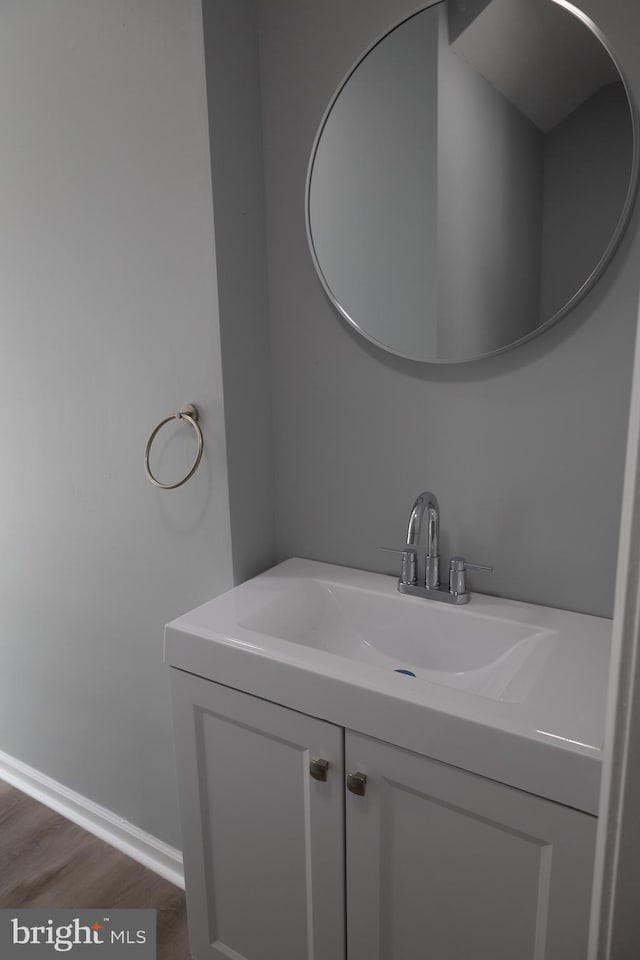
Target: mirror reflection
(471,177)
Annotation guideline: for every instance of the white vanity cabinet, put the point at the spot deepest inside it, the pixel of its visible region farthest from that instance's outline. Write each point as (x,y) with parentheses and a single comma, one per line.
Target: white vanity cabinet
(449,865)
(438,862)
(263,841)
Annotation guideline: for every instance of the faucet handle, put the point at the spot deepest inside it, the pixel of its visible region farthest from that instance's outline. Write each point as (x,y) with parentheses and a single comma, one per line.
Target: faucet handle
(457,579)
(459,563)
(409,571)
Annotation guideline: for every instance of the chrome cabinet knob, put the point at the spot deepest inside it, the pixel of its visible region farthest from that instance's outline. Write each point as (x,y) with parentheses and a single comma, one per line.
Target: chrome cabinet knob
(356,783)
(318,769)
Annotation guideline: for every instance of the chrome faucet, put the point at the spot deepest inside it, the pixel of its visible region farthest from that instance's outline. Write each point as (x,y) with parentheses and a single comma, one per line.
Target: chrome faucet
(457,592)
(427,502)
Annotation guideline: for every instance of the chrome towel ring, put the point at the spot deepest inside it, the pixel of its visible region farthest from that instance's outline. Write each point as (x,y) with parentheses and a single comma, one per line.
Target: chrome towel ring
(189,413)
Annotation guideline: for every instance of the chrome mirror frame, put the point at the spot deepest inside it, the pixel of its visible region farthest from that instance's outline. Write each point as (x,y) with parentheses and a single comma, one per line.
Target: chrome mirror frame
(597,271)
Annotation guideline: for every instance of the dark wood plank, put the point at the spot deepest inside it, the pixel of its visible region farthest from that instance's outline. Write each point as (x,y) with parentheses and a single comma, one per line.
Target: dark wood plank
(48,861)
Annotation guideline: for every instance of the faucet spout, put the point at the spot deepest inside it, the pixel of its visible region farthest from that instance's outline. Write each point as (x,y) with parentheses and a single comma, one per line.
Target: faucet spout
(427,502)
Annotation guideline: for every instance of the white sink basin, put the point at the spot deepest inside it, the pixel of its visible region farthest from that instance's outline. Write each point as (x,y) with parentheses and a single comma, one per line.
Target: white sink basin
(456,647)
(512,691)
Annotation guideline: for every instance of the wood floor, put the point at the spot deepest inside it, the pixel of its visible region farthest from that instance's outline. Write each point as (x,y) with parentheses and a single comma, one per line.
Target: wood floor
(47,861)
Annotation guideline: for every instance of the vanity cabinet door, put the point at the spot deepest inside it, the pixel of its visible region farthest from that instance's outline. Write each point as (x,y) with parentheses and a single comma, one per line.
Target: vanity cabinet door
(448,865)
(263,840)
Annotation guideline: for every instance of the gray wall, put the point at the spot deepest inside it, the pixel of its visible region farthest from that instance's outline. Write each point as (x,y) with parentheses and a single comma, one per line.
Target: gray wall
(109,323)
(525,451)
(378,248)
(233,97)
(462,14)
(587,158)
(489,202)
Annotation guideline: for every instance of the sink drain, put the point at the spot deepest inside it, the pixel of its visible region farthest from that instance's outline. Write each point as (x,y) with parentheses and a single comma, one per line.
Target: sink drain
(409,673)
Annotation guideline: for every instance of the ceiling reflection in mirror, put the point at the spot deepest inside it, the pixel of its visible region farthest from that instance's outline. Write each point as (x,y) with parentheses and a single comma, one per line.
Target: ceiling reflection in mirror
(471,177)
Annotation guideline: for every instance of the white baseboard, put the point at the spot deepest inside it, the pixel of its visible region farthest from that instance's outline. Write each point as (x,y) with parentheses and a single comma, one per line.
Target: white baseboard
(124,836)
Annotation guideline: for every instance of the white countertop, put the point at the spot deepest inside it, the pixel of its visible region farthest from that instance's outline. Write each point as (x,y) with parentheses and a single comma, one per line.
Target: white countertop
(544,735)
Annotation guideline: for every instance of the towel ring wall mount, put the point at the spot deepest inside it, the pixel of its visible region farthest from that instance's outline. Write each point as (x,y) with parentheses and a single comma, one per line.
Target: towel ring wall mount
(188,413)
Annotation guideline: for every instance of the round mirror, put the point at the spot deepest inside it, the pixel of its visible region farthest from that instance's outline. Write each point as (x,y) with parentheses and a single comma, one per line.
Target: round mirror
(471,177)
